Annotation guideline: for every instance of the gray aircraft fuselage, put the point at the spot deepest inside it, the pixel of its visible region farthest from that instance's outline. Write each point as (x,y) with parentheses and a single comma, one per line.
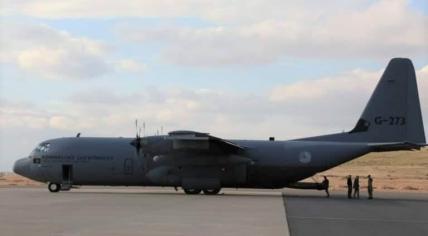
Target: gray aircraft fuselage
(392,120)
(113,161)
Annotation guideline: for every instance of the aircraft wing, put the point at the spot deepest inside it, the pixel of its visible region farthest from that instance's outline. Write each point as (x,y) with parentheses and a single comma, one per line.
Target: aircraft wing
(395,146)
(202,142)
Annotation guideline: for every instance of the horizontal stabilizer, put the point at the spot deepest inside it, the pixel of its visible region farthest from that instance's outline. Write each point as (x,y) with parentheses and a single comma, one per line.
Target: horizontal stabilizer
(385,147)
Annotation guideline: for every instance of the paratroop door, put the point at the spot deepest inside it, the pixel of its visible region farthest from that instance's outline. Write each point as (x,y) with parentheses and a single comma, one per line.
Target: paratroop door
(67,173)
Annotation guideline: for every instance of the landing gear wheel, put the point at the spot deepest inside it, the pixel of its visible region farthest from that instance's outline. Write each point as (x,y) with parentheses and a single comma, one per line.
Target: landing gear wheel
(192,190)
(54,188)
(213,191)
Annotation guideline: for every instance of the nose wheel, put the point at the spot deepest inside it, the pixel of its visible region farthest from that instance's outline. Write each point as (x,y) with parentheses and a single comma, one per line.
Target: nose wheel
(54,188)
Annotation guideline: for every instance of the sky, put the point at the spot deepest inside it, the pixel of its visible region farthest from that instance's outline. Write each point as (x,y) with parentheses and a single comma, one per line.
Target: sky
(236,69)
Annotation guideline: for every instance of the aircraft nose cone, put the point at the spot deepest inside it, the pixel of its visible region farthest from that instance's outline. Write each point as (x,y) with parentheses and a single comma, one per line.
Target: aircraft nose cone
(21,166)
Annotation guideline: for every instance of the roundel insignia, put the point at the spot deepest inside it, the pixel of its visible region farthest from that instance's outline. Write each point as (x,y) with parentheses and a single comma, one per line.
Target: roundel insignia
(305,157)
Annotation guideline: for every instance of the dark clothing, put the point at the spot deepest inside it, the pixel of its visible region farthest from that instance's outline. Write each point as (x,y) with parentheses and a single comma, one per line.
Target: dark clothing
(325,184)
(356,188)
(349,182)
(370,187)
(356,183)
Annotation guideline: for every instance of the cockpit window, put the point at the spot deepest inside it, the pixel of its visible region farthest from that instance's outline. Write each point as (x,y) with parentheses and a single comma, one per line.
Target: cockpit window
(43,147)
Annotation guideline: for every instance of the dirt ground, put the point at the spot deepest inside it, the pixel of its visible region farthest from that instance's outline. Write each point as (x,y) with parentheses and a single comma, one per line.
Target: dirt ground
(11,179)
(392,171)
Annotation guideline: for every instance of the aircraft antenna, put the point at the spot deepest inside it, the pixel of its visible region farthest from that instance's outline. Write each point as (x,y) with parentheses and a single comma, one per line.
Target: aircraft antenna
(136,129)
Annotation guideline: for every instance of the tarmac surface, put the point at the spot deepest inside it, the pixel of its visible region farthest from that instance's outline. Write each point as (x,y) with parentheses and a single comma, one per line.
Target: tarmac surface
(388,214)
(139,211)
(161,211)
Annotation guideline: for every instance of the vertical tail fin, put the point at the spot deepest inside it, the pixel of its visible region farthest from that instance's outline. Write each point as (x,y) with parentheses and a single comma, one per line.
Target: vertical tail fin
(393,113)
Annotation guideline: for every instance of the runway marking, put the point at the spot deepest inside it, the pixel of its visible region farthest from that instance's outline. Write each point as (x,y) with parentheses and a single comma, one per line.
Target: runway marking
(287,225)
(358,219)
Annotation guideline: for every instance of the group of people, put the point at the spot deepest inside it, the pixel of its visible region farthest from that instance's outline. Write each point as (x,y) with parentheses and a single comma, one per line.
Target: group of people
(351,186)
(356,186)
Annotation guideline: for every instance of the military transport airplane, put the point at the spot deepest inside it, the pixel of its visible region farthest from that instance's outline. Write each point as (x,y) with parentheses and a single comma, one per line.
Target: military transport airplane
(196,162)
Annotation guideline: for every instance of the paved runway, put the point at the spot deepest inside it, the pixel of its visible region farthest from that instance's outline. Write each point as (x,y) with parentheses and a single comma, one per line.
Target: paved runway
(161,211)
(120,211)
(388,214)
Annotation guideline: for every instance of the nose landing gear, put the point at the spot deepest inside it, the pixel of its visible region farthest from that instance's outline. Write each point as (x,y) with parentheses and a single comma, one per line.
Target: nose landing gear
(54,188)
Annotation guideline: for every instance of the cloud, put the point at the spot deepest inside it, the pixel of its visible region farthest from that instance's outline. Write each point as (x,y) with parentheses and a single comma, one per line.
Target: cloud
(104,9)
(252,32)
(130,65)
(220,10)
(350,83)
(56,54)
(51,53)
(19,114)
(293,110)
(62,122)
(62,63)
(422,76)
(368,31)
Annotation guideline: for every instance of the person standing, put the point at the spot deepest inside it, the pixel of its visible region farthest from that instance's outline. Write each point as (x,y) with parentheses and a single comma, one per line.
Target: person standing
(349,183)
(357,187)
(370,186)
(325,184)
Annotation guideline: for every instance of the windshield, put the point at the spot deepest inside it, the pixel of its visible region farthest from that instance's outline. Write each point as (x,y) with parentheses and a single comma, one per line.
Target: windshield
(42,148)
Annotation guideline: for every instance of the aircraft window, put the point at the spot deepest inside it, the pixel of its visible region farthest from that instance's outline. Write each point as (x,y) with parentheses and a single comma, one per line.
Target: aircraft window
(43,147)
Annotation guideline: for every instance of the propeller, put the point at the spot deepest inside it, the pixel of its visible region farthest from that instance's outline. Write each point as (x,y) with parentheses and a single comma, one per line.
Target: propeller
(137,141)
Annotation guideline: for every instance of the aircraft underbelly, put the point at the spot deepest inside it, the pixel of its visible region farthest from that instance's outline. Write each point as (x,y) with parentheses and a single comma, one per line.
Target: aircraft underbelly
(198,176)
(293,161)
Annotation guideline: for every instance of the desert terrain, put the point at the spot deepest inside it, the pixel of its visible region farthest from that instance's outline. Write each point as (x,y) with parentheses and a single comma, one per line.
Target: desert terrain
(404,171)
(392,171)
(8,179)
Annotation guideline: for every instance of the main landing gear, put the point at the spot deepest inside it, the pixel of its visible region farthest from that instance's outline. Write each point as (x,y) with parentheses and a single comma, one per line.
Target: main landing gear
(194,191)
(213,191)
